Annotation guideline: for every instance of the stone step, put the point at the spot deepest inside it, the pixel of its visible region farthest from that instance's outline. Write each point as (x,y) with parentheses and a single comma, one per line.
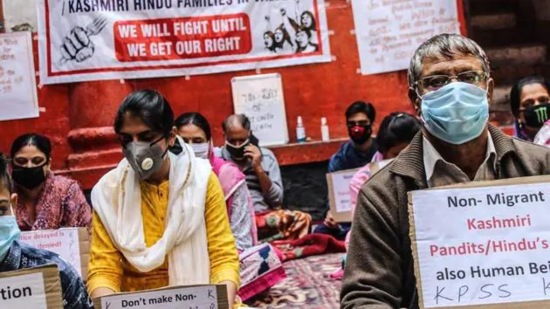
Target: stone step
(501,98)
(496,21)
(503,37)
(479,7)
(519,54)
(508,74)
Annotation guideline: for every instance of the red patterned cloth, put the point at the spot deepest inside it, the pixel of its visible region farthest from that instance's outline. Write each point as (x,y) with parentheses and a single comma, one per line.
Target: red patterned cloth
(312,244)
(60,203)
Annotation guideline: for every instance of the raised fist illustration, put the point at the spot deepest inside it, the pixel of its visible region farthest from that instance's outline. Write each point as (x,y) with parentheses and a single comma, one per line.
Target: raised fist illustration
(77,44)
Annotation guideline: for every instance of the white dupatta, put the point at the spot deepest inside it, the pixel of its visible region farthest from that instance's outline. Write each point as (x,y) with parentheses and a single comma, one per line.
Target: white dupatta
(117,200)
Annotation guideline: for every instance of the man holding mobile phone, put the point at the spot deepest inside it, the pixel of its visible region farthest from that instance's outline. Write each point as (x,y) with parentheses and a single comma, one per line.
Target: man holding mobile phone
(263,178)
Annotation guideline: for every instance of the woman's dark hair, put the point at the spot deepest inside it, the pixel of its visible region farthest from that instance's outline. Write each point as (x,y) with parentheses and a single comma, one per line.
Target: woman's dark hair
(396,128)
(312,27)
(271,35)
(361,107)
(41,142)
(151,107)
(197,119)
(5,178)
(515,93)
(286,37)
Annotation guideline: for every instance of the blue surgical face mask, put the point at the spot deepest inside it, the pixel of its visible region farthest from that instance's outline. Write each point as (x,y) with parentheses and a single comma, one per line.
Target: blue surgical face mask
(9,232)
(456,113)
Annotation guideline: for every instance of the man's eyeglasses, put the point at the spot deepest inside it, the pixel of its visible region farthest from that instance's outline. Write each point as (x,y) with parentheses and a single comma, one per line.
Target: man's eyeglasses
(434,82)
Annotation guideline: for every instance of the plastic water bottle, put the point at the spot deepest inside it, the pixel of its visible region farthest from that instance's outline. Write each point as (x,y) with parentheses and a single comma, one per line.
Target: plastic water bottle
(325,137)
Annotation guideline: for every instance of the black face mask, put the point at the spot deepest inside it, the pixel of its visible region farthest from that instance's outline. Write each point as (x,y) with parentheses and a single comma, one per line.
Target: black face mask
(360,134)
(237,152)
(536,116)
(29,177)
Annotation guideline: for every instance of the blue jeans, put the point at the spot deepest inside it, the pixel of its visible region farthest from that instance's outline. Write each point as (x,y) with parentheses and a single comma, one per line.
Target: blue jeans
(339,232)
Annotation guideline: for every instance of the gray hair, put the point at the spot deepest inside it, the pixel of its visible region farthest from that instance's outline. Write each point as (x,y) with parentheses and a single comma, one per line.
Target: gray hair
(446,45)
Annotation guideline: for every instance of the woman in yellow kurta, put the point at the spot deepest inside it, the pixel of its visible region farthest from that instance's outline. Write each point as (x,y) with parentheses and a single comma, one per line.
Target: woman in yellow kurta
(159,219)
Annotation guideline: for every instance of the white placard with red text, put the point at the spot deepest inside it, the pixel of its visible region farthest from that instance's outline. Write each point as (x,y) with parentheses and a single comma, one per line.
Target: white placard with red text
(65,242)
(388,32)
(482,245)
(84,40)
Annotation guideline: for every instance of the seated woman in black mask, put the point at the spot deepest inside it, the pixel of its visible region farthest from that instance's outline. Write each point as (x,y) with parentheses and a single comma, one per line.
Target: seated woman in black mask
(530,105)
(46,201)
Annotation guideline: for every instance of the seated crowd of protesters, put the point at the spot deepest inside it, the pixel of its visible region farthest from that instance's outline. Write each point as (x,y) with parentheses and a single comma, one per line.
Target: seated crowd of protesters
(176,211)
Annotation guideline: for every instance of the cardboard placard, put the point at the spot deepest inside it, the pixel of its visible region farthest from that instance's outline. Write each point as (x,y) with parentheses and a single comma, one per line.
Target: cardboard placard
(482,244)
(178,297)
(36,288)
(72,244)
(339,194)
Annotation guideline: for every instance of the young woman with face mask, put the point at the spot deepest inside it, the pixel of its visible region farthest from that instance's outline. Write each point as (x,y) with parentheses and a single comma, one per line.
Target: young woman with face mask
(159,219)
(530,105)
(46,201)
(194,129)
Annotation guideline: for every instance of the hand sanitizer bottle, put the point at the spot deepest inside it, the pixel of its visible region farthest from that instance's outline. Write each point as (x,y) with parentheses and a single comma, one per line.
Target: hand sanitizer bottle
(300,131)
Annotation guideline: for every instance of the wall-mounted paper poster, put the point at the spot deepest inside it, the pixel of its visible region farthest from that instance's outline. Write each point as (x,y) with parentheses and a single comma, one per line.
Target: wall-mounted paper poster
(261,99)
(84,40)
(17,77)
(483,244)
(388,32)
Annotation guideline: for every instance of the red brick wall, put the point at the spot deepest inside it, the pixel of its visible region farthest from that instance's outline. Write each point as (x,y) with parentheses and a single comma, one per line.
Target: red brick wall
(83,110)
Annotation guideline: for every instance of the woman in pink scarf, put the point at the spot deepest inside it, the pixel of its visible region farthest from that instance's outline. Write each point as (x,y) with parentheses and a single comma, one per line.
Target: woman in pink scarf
(395,133)
(195,131)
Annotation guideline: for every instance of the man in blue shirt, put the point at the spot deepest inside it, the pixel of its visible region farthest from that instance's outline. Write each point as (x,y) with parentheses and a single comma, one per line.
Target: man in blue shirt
(355,153)
(361,147)
(15,255)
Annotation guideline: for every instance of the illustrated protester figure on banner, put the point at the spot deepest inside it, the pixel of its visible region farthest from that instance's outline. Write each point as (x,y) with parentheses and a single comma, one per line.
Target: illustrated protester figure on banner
(269,37)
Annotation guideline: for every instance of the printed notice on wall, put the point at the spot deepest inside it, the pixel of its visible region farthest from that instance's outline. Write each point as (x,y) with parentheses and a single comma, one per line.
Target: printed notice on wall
(196,297)
(388,32)
(25,291)
(64,242)
(82,40)
(17,77)
(482,245)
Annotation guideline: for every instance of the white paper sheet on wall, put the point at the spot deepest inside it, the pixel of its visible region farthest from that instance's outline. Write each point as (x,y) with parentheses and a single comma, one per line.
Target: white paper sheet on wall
(388,32)
(261,99)
(18,96)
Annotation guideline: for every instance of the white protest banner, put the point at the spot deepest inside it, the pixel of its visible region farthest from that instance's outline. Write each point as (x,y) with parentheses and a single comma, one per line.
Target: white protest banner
(66,242)
(388,32)
(36,288)
(84,40)
(484,245)
(184,297)
(17,77)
